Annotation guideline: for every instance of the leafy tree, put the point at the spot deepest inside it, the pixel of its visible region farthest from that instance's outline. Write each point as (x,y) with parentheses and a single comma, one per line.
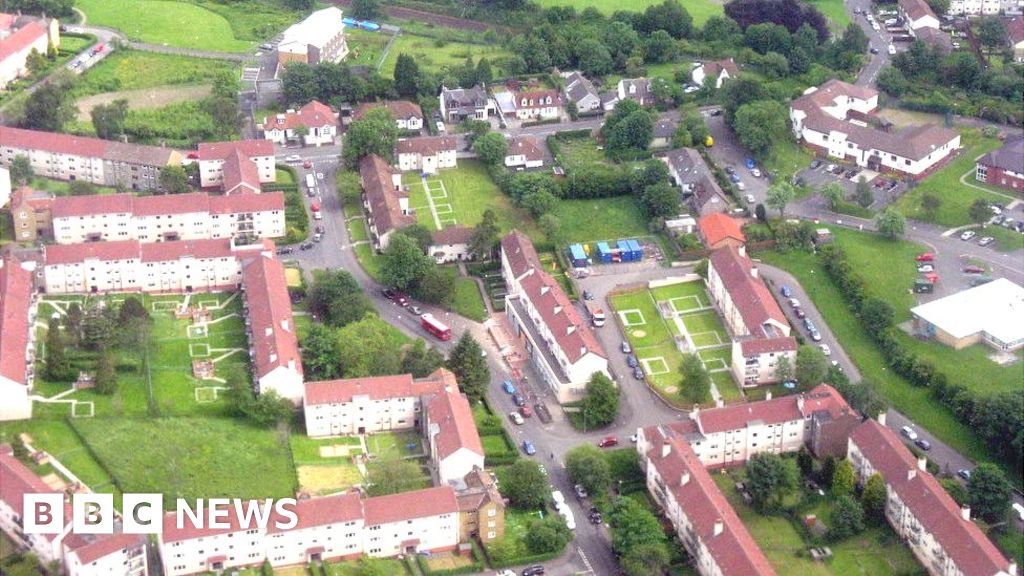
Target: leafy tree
(98,326)
(600,405)
(595,59)
(891,223)
(873,497)
(58,367)
(811,366)
(876,315)
(73,323)
(299,83)
(770,479)
(106,375)
(844,478)
(491,148)
(49,107)
(525,485)
(659,47)
(930,203)
(779,195)
(833,193)
(551,227)
(828,470)
(420,360)
(81,188)
(58,8)
(337,299)
(650,559)
(547,535)
(320,353)
(437,286)
(991,32)
(108,119)
(696,383)
(423,237)
(35,62)
(847,518)
(485,236)
(173,180)
(759,125)
(366,9)
(954,488)
(863,194)
(392,476)
(367,348)
(633,133)
(805,462)
(586,465)
(403,263)
(989,493)
(407,75)
(737,92)
(979,211)
(660,200)
(374,133)
(269,409)
(760,213)
(789,13)
(783,369)
(633,525)
(469,365)
(939,6)
(483,71)
(21,169)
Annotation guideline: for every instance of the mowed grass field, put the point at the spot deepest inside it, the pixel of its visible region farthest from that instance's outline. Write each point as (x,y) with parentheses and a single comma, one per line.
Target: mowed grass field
(589,220)
(191,457)
(701,10)
(133,70)
(164,22)
(432,53)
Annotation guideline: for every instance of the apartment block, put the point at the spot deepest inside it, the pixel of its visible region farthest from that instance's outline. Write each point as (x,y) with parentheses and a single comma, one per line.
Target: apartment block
(385,199)
(214,155)
(558,341)
(273,338)
(318,39)
(17,348)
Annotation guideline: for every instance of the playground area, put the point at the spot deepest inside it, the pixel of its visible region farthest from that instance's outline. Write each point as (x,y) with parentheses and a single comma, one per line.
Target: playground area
(662,323)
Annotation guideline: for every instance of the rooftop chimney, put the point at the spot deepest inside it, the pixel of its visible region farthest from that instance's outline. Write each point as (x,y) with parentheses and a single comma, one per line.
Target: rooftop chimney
(753,272)
(1012,568)
(922,463)
(911,473)
(666,449)
(768,395)
(881,418)
(719,402)
(685,479)
(719,526)
(965,513)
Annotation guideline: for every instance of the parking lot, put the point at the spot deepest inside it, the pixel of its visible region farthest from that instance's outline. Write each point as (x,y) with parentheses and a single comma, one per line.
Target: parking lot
(886,189)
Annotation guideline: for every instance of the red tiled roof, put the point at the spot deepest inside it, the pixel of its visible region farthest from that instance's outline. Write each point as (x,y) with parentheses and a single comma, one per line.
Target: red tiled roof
(322,511)
(166,204)
(247,202)
(714,68)
(83,146)
(526,146)
(240,170)
(916,9)
(313,115)
(450,411)
(965,544)
(733,549)
(453,235)
(92,547)
(519,251)
(6,20)
(54,254)
(774,411)
(385,210)
(427,145)
(1014,29)
(375,387)
(400,109)
(536,99)
(70,206)
(410,505)
(21,39)
(273,337)
(15,301)
(16,480)
(201,249)
(760,346)
(163,204)
(221,150)
(717,227)
(749,294)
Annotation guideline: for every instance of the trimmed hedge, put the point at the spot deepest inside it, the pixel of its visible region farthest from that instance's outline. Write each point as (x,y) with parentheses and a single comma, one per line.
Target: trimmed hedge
(476,566)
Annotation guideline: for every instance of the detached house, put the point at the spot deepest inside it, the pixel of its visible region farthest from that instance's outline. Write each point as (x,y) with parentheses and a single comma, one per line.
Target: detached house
(525,152)
(636,89)
(312,125)
(918,14)
(427,154)
(689,171)
(457,104)
(451,244)
(538,105)
(716,72)
(582,92)
(558,341)
(408,115)
(385,199)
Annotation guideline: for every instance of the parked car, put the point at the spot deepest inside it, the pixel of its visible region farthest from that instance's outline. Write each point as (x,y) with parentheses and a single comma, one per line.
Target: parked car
(595,518)
(690,89)
(535,570)
(800,313)
(925,268)
(508,387)
(631,361)
(785,291)
(808,324)
(305,246)
(750,163)
(998,219)
(923,444)
(608,441)
(581,492)
(518,400)
(925,257)
(794,303)
(874,50)
(1008,223)
(750,199)
(909,433)
(588,295)
(972,269)
(528,448)
(986,241)
(293,158)
(968,234)
(415,310)
(891,49)
(525,412)
(638,373)
(730,170)
(815,164)
(815,335)
(716,112)
(964,473)
(283,251)
(734,177)
(516,418)
(307,164)
(825,349)
(756,172)
(626,348)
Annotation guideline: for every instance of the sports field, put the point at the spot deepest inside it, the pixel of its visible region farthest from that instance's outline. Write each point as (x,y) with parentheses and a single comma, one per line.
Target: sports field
(459,197)
(170,23)
(659,321)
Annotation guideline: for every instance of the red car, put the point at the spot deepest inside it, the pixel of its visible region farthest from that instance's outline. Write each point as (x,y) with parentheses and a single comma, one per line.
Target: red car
(525,411)
(307,164)
(608,441)
(926,257)
(971,269)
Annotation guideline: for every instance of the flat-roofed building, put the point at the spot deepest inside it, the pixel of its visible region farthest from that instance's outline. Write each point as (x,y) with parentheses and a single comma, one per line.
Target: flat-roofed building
(318,39)
(992,313)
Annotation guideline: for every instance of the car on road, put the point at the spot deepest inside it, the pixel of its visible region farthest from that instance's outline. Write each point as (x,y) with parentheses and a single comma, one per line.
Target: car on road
(535,570)
(968,234)
(626,348)
(800,313)
(528,448)
(972,269)
(735,178)
(808,324)
(307,164)
(580,491)
(318,237)
(525,412)
(557,497)
(909,433)
(516,418)
(638,373)
(415,310)
(815,335)
(750,199)
(388,293)
(283,251)
(506,573)
(986,241)
(925,257)
(756,172)
(631,361)
(595,516)
(305,246)
(730,170)
(925,268)
(815,164)
(518,400)
(785,291)
(750,163)
(923,444)
(401,300)
(825,349)
(794,303)
(874,50)
(508,387)
(964,473)
(588,295)
(608,441)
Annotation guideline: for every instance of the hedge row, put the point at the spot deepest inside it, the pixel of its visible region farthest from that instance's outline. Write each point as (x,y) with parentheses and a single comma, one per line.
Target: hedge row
(476,566)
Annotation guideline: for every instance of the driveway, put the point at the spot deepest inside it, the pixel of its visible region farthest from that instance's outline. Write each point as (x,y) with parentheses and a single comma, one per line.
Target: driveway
(728,151)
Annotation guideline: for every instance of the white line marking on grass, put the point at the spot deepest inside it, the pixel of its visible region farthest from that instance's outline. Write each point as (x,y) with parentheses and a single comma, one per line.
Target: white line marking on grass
(691,303)
(714,364)
(702,335)
(208,304)
(655,361)
(86,414)
(198,350)
(430,201)
(227,352)
(206,394)
(444,208)
(163,305)
(225,317)
(446,222)
(625,314)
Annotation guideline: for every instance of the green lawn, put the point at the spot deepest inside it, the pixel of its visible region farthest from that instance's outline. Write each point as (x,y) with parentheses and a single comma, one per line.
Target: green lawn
(306,450)
(512,544)
(701,10)
(191,458)
(580,153)
(432,54)
(365,48)
(394,444)
(682,290)
(132,69)
(163,22)
(945,184)
(359,568)
(836,13)
(788,158)
(467,301)
(357,230)
(369,260)
(61,187)
(470,192)
(726,386)
(652,341)
(599,219)
(57,438)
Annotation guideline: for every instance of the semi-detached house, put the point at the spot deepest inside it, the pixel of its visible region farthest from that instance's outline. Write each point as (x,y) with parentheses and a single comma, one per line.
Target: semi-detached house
(312,125)
(559,343)
(408,115)
(538,104)
(427,154)
(213,157)
(17,350)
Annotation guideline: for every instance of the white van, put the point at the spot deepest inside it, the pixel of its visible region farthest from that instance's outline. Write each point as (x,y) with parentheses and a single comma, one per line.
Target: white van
(566,513)
(557,498)
(1018,509)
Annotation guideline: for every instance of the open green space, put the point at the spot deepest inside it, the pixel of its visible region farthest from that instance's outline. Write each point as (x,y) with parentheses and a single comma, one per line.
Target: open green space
(180,24)
(364,47)
(132,69)
(700,10)
(955,197)
(394,444)
(601,218)
(390,566)
(642,323)
(787,159)
(306,450)
(874,552)
(467,300)
(470,191)
(704,322)
(692,291)
(368,259)
(58,439)
(62,187)
(836,13)
(191,457)
(357,230)
(433,54)
(726,386)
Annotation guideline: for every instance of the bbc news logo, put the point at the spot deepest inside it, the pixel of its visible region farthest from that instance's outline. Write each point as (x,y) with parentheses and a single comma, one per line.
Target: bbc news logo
(144,514)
